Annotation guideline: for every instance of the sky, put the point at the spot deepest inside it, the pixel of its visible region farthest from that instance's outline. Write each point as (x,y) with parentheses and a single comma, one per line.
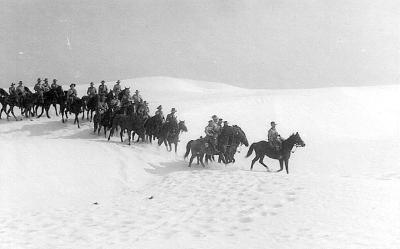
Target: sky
(250,43)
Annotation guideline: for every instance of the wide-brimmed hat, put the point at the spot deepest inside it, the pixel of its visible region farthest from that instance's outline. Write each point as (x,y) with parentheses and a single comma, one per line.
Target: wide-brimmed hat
(118,82)
(102,81)
(13,84)
(273,123)
(210,121)
(136,91)
(214,116)
(45,79)
(225,122)
(73,84)
(20,82)
(91,83)
(38,79)
(54,80)
(159,107)
(173,110)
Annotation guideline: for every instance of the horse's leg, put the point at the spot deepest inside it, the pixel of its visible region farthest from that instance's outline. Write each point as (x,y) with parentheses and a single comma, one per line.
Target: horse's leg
(77,119)
(12,112)
(55,108)
(253,161)
(111,133)
(129,137)
(262,162)
(176,147)
(121,134)
(47,111)
(287,166)
(281,165)
(191,160)
(41,113)
(201,161)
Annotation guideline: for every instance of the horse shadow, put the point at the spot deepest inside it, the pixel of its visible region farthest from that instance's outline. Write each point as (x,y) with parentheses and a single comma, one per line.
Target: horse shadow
(166,168)
(38,129)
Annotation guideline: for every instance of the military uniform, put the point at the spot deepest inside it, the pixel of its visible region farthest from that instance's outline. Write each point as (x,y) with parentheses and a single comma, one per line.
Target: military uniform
(102,107)
(274,139)
(137,98)
(117,89)
(12,90)
(91,91)
(103,89)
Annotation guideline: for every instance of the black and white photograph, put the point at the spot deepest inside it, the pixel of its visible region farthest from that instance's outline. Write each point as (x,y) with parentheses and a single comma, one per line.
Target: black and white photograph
(199,124)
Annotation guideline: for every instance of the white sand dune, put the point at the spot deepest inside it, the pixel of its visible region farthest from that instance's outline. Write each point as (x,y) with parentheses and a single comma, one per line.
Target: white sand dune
(343,189)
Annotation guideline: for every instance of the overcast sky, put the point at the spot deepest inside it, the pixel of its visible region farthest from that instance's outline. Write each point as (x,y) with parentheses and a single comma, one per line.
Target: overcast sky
(261,43)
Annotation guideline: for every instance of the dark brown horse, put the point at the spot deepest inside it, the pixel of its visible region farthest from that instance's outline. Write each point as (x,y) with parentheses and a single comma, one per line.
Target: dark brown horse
(170,134)
(263,148)
(130,123)
(200,148)
(153,127)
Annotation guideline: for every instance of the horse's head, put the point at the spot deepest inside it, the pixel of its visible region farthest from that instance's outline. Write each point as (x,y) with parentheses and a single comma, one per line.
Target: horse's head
(182,126)
(297,140)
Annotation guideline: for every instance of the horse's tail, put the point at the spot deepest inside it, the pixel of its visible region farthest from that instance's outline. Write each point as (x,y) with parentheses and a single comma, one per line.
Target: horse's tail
(188,145)
(250,149)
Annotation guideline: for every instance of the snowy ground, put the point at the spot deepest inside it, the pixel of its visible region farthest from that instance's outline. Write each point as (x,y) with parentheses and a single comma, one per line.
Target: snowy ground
(343,190)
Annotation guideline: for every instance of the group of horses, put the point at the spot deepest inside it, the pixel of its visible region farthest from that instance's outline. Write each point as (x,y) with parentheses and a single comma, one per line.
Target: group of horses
(128,119)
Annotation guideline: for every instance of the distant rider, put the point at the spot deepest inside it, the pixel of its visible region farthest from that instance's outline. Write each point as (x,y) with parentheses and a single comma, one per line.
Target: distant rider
(274,139)
(91,91)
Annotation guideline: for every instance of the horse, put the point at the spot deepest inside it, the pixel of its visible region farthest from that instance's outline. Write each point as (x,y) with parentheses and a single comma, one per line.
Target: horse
(170,134)
(3,95)
(153,127)
(263,148)
(130,123)
(49,98)
(90,105)
(26,103)
(103,120)
(76,107)
(199,148)
(228,141)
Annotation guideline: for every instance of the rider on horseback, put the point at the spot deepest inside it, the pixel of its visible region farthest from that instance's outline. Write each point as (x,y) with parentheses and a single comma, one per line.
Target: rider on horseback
(12,89)
(274,139)
(20,91)
(46,86)
(211,135)
(136,97)
(102,106)
(71,95)
(160,113)
(117,88)
(54,85)
(103,88)
(171,117)
(39,89)
(91,91)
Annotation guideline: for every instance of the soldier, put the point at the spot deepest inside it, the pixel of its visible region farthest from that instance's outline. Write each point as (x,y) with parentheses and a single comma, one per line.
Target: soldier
(210,135)
(274,139)
(171,117)
(71,95)
(46,86)
(103,88)
(20,91)
(117,88)
(39,89)
(12,89)
(91,91)
(160,113)
(102,106)
(136,97)
(54,85)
